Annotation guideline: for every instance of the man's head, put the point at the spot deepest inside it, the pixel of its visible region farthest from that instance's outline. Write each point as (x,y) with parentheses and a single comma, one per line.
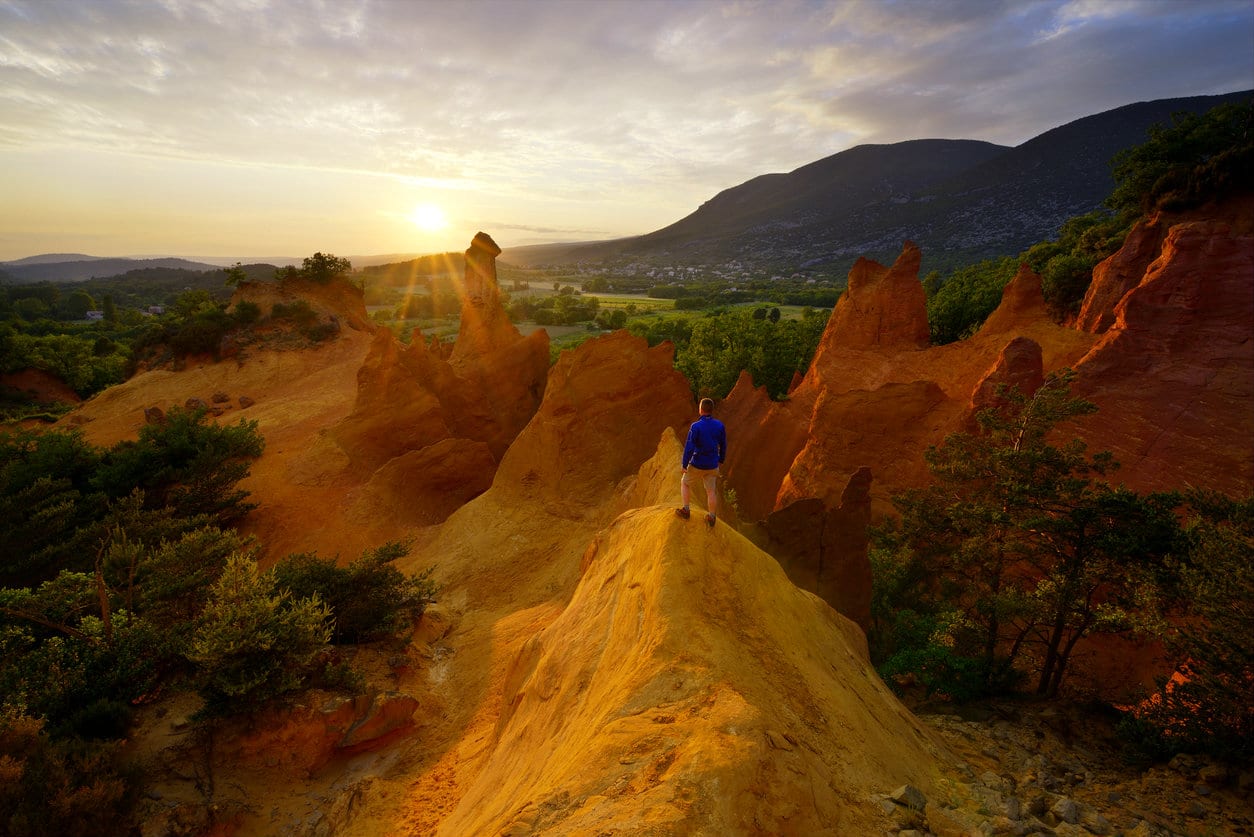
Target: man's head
(707,406)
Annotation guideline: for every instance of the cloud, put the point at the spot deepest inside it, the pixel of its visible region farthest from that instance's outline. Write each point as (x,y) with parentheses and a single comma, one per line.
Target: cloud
(557,103)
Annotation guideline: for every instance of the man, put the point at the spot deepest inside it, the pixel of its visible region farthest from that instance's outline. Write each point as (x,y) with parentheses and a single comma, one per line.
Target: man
(704,451)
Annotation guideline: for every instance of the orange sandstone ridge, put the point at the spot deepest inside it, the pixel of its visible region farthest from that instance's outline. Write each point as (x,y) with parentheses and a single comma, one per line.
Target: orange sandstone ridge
(597,665)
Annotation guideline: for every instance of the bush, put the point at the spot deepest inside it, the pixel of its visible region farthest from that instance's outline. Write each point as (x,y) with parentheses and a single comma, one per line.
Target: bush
(246,313)
(962,303)
(297,312)
(254,643)
(1207,708)
(367,599)
(1198,158)
(69,788)
(186,463)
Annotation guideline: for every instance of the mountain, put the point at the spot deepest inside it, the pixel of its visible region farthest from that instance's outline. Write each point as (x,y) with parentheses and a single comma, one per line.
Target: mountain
(51,258)
(960,200)
(75,268)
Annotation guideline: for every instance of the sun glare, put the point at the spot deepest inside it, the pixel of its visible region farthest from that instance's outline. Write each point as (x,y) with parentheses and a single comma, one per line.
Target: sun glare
(428,217)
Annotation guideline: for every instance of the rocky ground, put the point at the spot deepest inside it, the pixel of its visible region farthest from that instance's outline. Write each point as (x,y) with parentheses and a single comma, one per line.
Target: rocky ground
(1048,768)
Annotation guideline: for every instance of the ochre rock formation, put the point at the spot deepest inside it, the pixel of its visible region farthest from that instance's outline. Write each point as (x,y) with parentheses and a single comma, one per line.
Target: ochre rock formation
(1173,377)
(1022,304)
(605,404)
(881,406)
(1019,366)
(1120,273)
(603,666)
(883,306)
(412,398)
(689,688)
(303,738)
(824,550)
(337,301)
(39,386)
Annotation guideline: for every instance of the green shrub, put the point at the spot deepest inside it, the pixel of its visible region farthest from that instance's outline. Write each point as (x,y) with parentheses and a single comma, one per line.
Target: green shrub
(64,787)
(246,313)
(296,312)
(963,301)
(187,463)
(254,643)
(367,599)
(1208,709)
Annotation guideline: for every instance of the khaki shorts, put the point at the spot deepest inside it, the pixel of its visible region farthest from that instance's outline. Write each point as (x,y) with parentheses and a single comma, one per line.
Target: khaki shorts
(708,478)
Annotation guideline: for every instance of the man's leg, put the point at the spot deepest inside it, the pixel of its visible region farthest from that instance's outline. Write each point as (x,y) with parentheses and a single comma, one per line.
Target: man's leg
(685,494)
(711,497)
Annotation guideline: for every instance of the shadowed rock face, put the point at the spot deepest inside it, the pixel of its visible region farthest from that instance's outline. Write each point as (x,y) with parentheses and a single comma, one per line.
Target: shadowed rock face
(1018,366)
(824,550)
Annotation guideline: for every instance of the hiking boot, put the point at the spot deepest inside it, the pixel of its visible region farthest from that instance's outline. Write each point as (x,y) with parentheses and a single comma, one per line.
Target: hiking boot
(683,512)
(709,520)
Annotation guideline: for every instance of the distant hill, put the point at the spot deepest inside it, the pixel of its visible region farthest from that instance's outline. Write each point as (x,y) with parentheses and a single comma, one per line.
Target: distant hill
(960,200)
(52,258)
(403,273)
(76,268)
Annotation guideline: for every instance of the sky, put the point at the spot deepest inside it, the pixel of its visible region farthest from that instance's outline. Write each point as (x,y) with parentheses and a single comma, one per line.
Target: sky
(266,128)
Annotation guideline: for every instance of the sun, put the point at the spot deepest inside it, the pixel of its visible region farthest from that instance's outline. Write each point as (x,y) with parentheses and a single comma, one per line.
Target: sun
(428,217)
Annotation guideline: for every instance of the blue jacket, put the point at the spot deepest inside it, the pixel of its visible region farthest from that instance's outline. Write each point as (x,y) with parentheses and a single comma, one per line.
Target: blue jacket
(706,447)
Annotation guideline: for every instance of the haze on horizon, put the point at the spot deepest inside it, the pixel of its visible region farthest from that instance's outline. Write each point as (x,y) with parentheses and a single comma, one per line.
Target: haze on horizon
(235,128)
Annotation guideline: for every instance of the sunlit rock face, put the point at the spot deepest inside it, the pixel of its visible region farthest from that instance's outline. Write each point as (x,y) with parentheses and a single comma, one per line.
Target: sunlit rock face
(884,307)
(688,687)
(1120,273)
(1173,376)
(605,406)
(1022,304)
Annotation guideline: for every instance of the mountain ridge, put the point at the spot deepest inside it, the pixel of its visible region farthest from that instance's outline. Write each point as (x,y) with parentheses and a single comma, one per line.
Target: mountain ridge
(998,204)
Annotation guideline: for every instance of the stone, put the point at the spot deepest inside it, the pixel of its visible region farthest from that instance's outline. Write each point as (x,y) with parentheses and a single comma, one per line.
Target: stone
(1215,775)
(909,796)
(245,402)
(387,713)
(1022,304)
(485,390)
(1095,823)
(1118,274)
(154,415)
(195,404)
(219,398)
(1065,810)
(1177,366)
(605,406)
